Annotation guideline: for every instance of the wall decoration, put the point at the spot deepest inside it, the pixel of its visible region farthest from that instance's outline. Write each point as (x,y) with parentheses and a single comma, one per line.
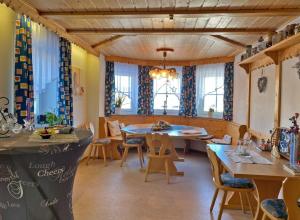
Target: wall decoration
(297,66)
(8,122)
(77,87)
(262,83)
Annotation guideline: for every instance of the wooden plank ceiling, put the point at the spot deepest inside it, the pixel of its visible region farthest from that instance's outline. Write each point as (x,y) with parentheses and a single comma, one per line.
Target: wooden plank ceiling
(196,29)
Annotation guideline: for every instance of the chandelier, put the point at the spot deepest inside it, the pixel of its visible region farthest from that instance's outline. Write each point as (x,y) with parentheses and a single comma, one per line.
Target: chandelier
(158,72)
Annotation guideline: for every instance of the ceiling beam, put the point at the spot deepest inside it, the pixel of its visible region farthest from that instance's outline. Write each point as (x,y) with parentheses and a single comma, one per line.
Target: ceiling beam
(229,41)
(206,31)
(146,12)
(106,41)
(203,61)
(22,7)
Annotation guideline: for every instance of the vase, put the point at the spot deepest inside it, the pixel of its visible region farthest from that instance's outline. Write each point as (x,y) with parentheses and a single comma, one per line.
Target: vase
(117,111)
(294,148)
(210,114)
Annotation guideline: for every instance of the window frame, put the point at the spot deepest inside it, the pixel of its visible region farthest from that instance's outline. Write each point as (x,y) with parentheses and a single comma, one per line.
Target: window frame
(169,111)
(132,90)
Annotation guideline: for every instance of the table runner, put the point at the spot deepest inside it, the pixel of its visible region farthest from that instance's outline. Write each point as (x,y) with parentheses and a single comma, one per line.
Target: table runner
(253,158)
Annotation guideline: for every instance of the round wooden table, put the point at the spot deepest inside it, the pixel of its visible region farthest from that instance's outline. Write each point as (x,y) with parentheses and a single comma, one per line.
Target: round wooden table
(175,131)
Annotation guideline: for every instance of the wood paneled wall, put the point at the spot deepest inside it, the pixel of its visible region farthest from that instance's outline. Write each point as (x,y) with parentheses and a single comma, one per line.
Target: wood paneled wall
(216,127)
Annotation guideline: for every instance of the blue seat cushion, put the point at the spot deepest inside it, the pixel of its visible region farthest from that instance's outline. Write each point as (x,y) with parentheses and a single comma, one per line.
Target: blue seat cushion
(276,207)
(135,141)
(233,182)
(101,141)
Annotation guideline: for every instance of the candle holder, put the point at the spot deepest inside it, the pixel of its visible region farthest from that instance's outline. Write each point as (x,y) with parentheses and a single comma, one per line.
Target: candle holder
(8,122)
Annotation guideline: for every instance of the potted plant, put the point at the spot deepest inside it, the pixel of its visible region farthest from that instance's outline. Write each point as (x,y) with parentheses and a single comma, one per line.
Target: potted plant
(52,119)
(118,104)
(211,111)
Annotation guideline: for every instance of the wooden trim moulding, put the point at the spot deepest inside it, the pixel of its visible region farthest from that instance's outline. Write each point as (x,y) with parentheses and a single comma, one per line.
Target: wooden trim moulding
(165,12)
(128,31)
(106,41)
(23,7)
(169,62)
(229,41)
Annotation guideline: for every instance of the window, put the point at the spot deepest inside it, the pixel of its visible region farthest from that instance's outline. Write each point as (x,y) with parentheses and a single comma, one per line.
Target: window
(126,85)
(167,92)
(45,60)
(210,89)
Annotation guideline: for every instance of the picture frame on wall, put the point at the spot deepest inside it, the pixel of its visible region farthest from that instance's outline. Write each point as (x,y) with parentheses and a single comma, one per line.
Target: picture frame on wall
(78,89)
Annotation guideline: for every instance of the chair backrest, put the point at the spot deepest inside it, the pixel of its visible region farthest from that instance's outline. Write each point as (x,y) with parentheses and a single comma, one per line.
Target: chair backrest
(215,166)
(291,195)
(92,128)
(159,144)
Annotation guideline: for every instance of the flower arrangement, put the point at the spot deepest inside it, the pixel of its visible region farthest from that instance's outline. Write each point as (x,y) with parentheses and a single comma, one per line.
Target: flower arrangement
(119,101)
(295,127)
(211,109)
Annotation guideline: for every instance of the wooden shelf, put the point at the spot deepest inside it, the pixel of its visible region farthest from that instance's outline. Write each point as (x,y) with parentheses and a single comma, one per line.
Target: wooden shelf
(271,52)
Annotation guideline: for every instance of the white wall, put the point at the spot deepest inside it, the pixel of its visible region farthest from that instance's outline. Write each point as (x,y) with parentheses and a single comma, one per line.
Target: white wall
(102,85)
(262,108)
(240,93)
(93,95)
(79,60)
(7,45)
(290,91)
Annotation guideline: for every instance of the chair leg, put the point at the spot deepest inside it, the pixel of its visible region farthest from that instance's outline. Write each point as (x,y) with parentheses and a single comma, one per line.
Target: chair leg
(99,151)
(104,154)
(143,159)
(89,154)
(111,151)
(214,200)
(148,169)
(222,205)
(167,170)
(264,217)
(249,203)
(140,155)
(95,152)
(242,203)
(125,154)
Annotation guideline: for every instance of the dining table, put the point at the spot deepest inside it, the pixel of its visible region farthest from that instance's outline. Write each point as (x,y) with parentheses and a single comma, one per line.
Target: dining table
(184,132)
(267,177)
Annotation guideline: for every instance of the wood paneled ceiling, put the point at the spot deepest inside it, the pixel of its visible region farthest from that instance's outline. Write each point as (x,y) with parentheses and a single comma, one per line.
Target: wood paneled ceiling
(196,29)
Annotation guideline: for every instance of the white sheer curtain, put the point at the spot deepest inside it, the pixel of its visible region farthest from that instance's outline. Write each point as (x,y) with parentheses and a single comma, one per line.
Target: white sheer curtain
(45,60)
(209,82)
(126,83)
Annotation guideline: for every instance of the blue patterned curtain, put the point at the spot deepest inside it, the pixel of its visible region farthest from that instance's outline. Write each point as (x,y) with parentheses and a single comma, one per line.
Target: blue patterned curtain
(109,88)
(145,100)
(228,91)
(188,92)
(65,99)
(23,68)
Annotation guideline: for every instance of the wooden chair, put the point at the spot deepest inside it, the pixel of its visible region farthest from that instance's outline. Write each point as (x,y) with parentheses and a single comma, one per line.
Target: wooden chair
(227,183)
(286,208)
(97,145)
(133,142)
(159,149)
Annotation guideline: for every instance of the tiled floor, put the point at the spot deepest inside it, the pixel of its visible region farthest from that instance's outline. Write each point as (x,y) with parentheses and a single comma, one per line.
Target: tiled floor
(115,193)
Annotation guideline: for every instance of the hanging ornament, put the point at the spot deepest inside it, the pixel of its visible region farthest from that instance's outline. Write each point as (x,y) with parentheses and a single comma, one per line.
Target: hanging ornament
(262,83)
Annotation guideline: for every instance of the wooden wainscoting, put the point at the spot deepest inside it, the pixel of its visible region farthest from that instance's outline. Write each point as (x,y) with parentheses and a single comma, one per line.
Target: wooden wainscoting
(216,127)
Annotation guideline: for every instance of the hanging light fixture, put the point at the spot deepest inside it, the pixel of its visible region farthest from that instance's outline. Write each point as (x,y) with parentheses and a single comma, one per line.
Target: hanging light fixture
(157,72)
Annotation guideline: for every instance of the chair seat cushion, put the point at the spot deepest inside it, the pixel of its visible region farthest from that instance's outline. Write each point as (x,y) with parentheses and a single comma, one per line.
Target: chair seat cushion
(276,207)
(135,141)
(233,182)
(101,141)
